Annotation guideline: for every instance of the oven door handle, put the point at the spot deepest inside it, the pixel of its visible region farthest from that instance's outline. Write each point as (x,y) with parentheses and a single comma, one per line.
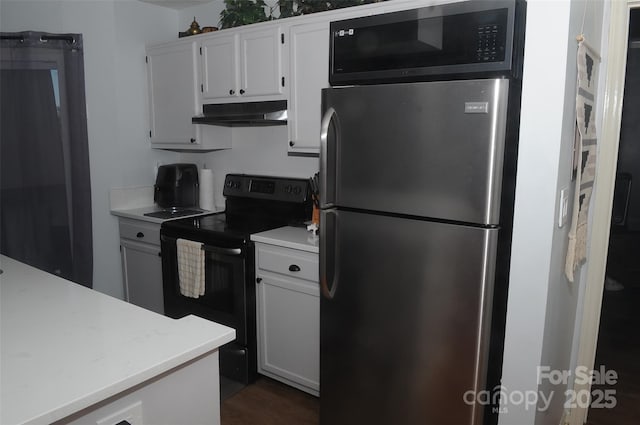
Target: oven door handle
(208,248)
(223,251)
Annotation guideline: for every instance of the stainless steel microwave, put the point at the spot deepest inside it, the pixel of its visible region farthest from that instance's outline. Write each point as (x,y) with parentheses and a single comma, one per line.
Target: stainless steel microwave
(463,39)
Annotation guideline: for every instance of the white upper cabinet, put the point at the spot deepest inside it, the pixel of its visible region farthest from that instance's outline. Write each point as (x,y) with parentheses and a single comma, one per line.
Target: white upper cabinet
(309,74)
(173,73)
(278,60)
(261,62)
(220,76)
(243,65)
(173,78)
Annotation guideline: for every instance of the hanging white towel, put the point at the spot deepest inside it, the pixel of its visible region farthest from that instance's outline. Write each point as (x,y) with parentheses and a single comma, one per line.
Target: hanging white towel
(190,268)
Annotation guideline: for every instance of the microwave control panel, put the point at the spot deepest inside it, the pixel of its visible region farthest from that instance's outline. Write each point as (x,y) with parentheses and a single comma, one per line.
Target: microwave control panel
(488,49)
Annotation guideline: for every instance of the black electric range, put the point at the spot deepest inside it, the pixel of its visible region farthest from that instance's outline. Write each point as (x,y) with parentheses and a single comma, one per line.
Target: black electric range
(229,228)
(252,204)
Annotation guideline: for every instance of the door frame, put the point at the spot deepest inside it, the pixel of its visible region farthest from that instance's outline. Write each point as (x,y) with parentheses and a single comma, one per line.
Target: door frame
(606,168)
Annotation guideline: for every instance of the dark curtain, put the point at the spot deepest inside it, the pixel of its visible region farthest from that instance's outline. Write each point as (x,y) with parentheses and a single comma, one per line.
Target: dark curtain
(45,196)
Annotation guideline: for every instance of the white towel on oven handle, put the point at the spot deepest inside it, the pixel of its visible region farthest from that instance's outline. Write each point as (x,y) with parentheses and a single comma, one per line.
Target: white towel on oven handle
(190,268)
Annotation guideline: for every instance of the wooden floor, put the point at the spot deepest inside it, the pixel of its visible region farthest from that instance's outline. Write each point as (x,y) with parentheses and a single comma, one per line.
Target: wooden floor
(619,337)
(268,402)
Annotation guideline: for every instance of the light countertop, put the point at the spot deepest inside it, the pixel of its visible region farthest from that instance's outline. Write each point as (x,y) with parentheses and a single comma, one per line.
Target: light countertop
(135,202)
(289,237)
(139,214)
(65,347)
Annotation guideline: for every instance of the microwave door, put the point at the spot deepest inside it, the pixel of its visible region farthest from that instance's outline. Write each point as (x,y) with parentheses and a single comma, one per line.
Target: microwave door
(430,149)
(463,38)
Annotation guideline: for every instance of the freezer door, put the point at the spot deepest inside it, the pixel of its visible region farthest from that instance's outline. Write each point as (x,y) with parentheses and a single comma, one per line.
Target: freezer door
(430,149)
(405,316)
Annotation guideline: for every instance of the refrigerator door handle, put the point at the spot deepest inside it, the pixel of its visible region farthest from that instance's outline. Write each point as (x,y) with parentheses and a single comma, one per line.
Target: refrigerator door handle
(327,176)
(328,253)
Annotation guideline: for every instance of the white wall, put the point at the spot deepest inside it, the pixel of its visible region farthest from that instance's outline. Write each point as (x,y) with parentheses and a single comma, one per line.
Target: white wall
(563,297)
(542,303)
(604,40)
(115,33)
(208,14)
(256,150)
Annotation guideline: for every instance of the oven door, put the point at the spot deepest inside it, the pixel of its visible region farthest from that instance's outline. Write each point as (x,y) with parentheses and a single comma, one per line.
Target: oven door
(229,299)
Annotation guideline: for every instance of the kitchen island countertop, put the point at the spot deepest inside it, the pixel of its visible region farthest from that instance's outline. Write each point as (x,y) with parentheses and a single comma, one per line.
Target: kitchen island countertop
(65,347)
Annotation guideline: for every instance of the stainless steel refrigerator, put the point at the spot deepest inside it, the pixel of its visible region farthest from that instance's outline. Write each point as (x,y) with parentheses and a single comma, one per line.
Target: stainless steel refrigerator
(411,188)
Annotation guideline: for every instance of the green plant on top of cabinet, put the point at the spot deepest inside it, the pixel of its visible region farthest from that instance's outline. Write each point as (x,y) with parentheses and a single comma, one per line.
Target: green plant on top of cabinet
(243,65)
(243,12)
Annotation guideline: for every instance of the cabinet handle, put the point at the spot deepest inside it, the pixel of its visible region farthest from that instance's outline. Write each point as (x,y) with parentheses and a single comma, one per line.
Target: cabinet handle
(241,91)
(258,280)
(232,92)
(192,140)
(291,143)
(140,235)
(294,268)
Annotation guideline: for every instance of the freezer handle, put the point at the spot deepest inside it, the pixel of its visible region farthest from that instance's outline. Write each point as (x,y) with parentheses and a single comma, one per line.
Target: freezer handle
(328,158)
(328,253)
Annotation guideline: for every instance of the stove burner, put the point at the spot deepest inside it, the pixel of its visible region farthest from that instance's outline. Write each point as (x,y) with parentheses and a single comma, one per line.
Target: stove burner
(174,212)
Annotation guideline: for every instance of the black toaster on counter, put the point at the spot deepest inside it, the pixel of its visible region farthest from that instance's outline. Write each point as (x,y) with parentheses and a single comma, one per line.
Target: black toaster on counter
(177,186)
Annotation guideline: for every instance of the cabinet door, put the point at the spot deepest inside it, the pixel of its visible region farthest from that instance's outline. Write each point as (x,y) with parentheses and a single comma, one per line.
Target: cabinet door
(142,269)
(220,67)
(173,75)
(261,62)
(309,74)
(289,331)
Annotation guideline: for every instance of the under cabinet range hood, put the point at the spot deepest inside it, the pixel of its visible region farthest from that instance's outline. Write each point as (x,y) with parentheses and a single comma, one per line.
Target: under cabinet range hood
(246,114)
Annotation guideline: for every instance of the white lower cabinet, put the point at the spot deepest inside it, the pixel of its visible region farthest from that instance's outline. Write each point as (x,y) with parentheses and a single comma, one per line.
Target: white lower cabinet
(162,399)
(288,314)
(142,264)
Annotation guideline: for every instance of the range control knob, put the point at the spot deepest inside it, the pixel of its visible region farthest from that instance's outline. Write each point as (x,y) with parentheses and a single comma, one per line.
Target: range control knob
(297,190)
(288,188)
